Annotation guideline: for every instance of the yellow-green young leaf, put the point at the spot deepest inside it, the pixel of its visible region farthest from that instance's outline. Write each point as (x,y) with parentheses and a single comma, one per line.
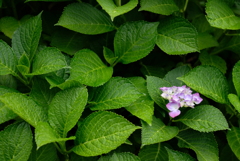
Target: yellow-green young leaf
(26,38)
(220,15)
(157,132)
(206,40)
(233,138)
(44,134)
(8,60)
(176,155)
(153,85)
(48,60)
(8,25)
(164,7)
(236,77)
(16,142)
(124,157)
(76,17)
(45,153)
(23,64)
(88,69)
(209,81)
(6,114)
(234,100)
(213,60)
(102,132)
(135,44)
(25,107)
(109,55)
(66,109)
(204,118)
(116,93)
(203,144)
(177,36)
(155,152)
(115,10)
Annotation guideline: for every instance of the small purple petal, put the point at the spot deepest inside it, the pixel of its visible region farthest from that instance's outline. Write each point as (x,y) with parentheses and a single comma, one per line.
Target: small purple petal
(196,98)
(173,106)
(174,113)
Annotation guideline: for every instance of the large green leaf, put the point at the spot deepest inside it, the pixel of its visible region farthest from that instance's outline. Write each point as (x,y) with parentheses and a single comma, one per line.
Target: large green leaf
(115,10)
(236,77)
(233,138)
(213,60)
(8,81)
(234,99)
(116,93)
(16,142)
(176,155)
(48,60)
(203,144)
(153,85)
(102,132)
(76,17)
(206,40)
(8,25)
(88,69)
(177,36)
(158,132)
(45,153)
(66,108)
(204,118)
(8,60)
(6,114)
(154,152)
(25,107)
(220,15)
(26,38)
(136,43)
(124,157)
(45,134)
(208,81)
(164,7)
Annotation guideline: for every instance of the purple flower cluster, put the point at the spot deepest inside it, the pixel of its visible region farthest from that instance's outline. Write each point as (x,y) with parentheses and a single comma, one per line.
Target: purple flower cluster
(179,97)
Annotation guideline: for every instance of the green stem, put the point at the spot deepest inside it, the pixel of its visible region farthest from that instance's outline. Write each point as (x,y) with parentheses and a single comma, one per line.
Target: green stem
(185,6)
(118,2)
(14,9)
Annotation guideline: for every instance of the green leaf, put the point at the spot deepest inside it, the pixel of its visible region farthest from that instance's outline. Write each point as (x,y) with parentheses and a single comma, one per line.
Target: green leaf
(23,64)
(172,75)
(48,60)
(155,152)
(26,38)
(203,144)
(41,93)
(6,114)
(24,107)
(236,77)
(45,153)
(109,55)
(233,138)
(115,10)
(220,15)
(116,93)
(88,69)
(8,81)
(177,36)
(176,155)
(153,85)
(76,17)
(69,41)
(16,142)
(66,108)
(124,157)
(102,132)
(164,7)
(8,60)
(234,99)
(44,134)
(8,25)
(208,81)
(206,40)
(158,132)
(213,60)
(204,118)
(136,43)
(75,157)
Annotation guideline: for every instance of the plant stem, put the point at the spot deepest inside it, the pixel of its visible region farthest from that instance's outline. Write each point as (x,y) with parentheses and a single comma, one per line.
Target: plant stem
(118,2)
(185,6)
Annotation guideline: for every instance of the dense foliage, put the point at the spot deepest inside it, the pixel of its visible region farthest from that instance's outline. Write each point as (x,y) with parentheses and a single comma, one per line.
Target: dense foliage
(80,80)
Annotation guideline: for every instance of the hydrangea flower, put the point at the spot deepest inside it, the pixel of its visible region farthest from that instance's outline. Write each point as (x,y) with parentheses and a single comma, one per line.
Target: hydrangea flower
(179,97)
